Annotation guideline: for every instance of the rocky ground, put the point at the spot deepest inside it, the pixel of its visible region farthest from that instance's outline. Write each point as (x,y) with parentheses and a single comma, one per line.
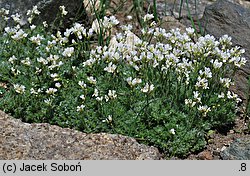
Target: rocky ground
(41,141)
(219,141)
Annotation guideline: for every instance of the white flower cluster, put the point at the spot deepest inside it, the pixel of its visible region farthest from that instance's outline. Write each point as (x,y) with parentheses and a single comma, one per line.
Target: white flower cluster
(63,10)
(15,32)
(79,30)
(19,88)
(32,13)
(106,24)
(36,39)
(196,63)
(4,14)
(178,55)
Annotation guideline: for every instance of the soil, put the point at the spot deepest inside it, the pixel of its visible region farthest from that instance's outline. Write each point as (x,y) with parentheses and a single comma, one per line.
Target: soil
(220,140)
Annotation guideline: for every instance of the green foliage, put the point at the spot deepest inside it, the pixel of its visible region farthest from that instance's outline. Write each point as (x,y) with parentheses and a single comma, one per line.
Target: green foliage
(248,105)
(186,2)
(164,89)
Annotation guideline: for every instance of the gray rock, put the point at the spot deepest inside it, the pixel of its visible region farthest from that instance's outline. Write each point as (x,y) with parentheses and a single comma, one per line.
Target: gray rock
(24,141)
(224,17)
(49,9)
(238,150)
(172,7)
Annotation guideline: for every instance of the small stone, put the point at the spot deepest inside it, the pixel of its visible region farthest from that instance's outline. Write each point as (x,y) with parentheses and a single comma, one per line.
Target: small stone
(216,152)
(223,148)
(231,131)
(206,155)
(210,141)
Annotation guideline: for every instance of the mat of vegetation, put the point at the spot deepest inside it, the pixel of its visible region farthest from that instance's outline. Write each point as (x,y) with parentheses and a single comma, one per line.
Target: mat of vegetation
(165,89)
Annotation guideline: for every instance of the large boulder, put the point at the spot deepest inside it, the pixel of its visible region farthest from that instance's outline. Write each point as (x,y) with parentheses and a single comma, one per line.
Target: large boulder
(24,141)
(224,17)
(172,7)
(49,9)
(238,150)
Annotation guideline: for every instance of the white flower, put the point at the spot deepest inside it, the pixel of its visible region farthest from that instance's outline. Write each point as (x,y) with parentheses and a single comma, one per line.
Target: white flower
(110,68)
(190,30)
(68,51)
(54,75)
(32,91)
(79,30)
(95,26)
(4,11)
(89,62)
(217,64)
(225,39)
(63,11)
(9,30)
(196,96)
(240,62)
(12,59)
(58,85)
(36,39)
(19,35)
(112,94)
(82,97)
(82,84)
(48,101)
(42,60)
(19,88)
(207,72)
(202,83)
(67,32)
(190,102)
(99,98)
(32,27)
(108,23)
(106,98)
(229,95)
(26,61)
(147,88)
(113,20)
(90,32)
(34,11)
(204,110)
(38,70)
(222,95)
(232,95)
(108,119)
(129,17)
(148,17)
(80,108)
(227,82)
(172,131)
(134,81)
(30,20)
(16,17)
(15,71)
(96,93)
(51,91)
(92,80)
(45,24)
